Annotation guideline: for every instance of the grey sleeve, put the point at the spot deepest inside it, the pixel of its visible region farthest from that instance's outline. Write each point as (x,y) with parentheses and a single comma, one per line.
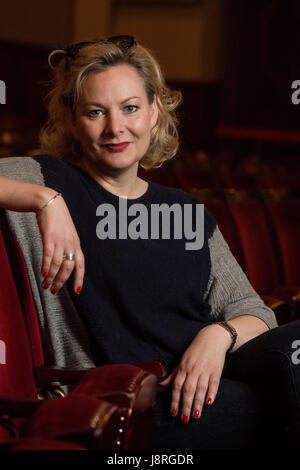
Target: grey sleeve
(229,292)
(64,337)
(21,169)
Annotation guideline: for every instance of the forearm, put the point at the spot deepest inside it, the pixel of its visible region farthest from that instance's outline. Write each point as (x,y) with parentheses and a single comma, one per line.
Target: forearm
(23,197)
(246,326)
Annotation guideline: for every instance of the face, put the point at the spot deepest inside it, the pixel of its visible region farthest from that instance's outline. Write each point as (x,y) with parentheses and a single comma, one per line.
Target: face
(113,119)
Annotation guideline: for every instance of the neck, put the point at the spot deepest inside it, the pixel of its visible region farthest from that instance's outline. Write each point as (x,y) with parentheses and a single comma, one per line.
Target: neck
(120,183)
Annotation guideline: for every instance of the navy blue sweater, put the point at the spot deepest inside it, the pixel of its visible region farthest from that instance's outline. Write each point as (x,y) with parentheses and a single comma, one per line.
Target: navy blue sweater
(141,299)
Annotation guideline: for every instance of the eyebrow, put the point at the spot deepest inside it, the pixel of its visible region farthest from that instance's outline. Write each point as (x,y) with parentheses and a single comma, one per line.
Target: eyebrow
(95,103)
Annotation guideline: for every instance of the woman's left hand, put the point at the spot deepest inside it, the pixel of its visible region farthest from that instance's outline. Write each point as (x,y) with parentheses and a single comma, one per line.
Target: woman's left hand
(199,372)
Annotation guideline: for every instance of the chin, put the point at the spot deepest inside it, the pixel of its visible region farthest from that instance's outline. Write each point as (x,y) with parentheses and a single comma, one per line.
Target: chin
(113,161)
(121,162)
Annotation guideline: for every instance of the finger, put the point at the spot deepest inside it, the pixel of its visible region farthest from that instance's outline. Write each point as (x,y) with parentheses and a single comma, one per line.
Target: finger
(169,379)
(176,391)
(213,386)
(63,275)
(199,396)
(187,396)
(79,271)
(48,250)
(55,265)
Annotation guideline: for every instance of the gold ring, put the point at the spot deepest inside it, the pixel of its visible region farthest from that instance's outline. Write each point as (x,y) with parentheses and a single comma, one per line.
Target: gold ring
(69,257)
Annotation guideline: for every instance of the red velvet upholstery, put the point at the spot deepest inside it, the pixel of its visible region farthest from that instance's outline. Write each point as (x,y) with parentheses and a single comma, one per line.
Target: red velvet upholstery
(278,175)
(83,419)
(79,418)
(16,377)
(259,253)
(216,203)
(284,210)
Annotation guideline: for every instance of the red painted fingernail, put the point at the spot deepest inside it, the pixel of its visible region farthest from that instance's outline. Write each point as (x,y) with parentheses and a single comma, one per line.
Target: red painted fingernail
(196,414)
(174,412)
(78,290)
(44,274)
(54,289)
(185,418)
(208,401)
(46,285)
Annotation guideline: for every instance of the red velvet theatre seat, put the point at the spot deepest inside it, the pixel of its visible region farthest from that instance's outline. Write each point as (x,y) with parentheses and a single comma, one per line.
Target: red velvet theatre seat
(215,202)
(284,209)
(261,254)
(108,407)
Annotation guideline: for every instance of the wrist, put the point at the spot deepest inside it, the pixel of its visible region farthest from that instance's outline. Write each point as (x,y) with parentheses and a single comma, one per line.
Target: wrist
(232,333)
(42,198)
(217,335)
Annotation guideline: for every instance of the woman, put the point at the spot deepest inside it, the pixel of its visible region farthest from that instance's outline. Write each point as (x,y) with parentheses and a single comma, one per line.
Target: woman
(137,292)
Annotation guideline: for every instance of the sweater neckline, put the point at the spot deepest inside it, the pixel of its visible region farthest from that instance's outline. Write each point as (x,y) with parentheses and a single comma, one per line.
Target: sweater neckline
(101,191)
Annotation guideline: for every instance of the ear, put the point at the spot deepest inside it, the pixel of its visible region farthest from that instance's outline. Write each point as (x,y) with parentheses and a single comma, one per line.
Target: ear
(71,121)
(154,113)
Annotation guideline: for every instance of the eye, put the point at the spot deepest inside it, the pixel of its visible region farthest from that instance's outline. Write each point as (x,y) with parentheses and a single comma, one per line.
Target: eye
(95,113)
(131,108)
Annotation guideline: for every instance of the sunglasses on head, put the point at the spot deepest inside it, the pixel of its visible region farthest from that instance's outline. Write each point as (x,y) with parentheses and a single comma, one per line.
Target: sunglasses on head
(123,42)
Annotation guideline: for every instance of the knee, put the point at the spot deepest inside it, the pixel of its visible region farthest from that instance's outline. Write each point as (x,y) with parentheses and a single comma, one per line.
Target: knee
(287,338)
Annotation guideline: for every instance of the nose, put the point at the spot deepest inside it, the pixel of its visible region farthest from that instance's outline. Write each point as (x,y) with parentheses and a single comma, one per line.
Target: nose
(115,123)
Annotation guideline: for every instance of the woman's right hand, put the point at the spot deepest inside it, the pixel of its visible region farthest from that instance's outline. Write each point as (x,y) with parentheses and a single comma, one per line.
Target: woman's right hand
(57,229)
(59,236)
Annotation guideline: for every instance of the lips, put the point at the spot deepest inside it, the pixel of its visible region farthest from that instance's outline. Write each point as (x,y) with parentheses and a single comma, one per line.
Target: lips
(117,147)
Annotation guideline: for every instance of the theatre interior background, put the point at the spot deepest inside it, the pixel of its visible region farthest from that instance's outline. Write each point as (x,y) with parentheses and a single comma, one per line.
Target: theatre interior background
(237,63)
(238,66)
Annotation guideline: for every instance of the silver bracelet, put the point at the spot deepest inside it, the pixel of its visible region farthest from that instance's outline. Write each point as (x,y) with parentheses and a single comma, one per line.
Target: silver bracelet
(48,203)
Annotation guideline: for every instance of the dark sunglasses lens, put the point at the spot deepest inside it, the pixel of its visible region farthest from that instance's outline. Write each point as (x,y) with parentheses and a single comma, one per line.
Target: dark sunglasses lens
(124,42)
(56,59)
(72,50)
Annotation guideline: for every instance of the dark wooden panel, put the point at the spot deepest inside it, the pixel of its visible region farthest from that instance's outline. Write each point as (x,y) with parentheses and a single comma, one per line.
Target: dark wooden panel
(199,115)
(25,72)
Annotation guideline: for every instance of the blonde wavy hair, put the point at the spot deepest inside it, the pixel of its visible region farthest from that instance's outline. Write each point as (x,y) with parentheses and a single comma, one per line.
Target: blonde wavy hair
(69,74)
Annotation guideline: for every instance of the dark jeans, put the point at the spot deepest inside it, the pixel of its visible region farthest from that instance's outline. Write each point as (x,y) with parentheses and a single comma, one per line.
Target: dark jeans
(258,397)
